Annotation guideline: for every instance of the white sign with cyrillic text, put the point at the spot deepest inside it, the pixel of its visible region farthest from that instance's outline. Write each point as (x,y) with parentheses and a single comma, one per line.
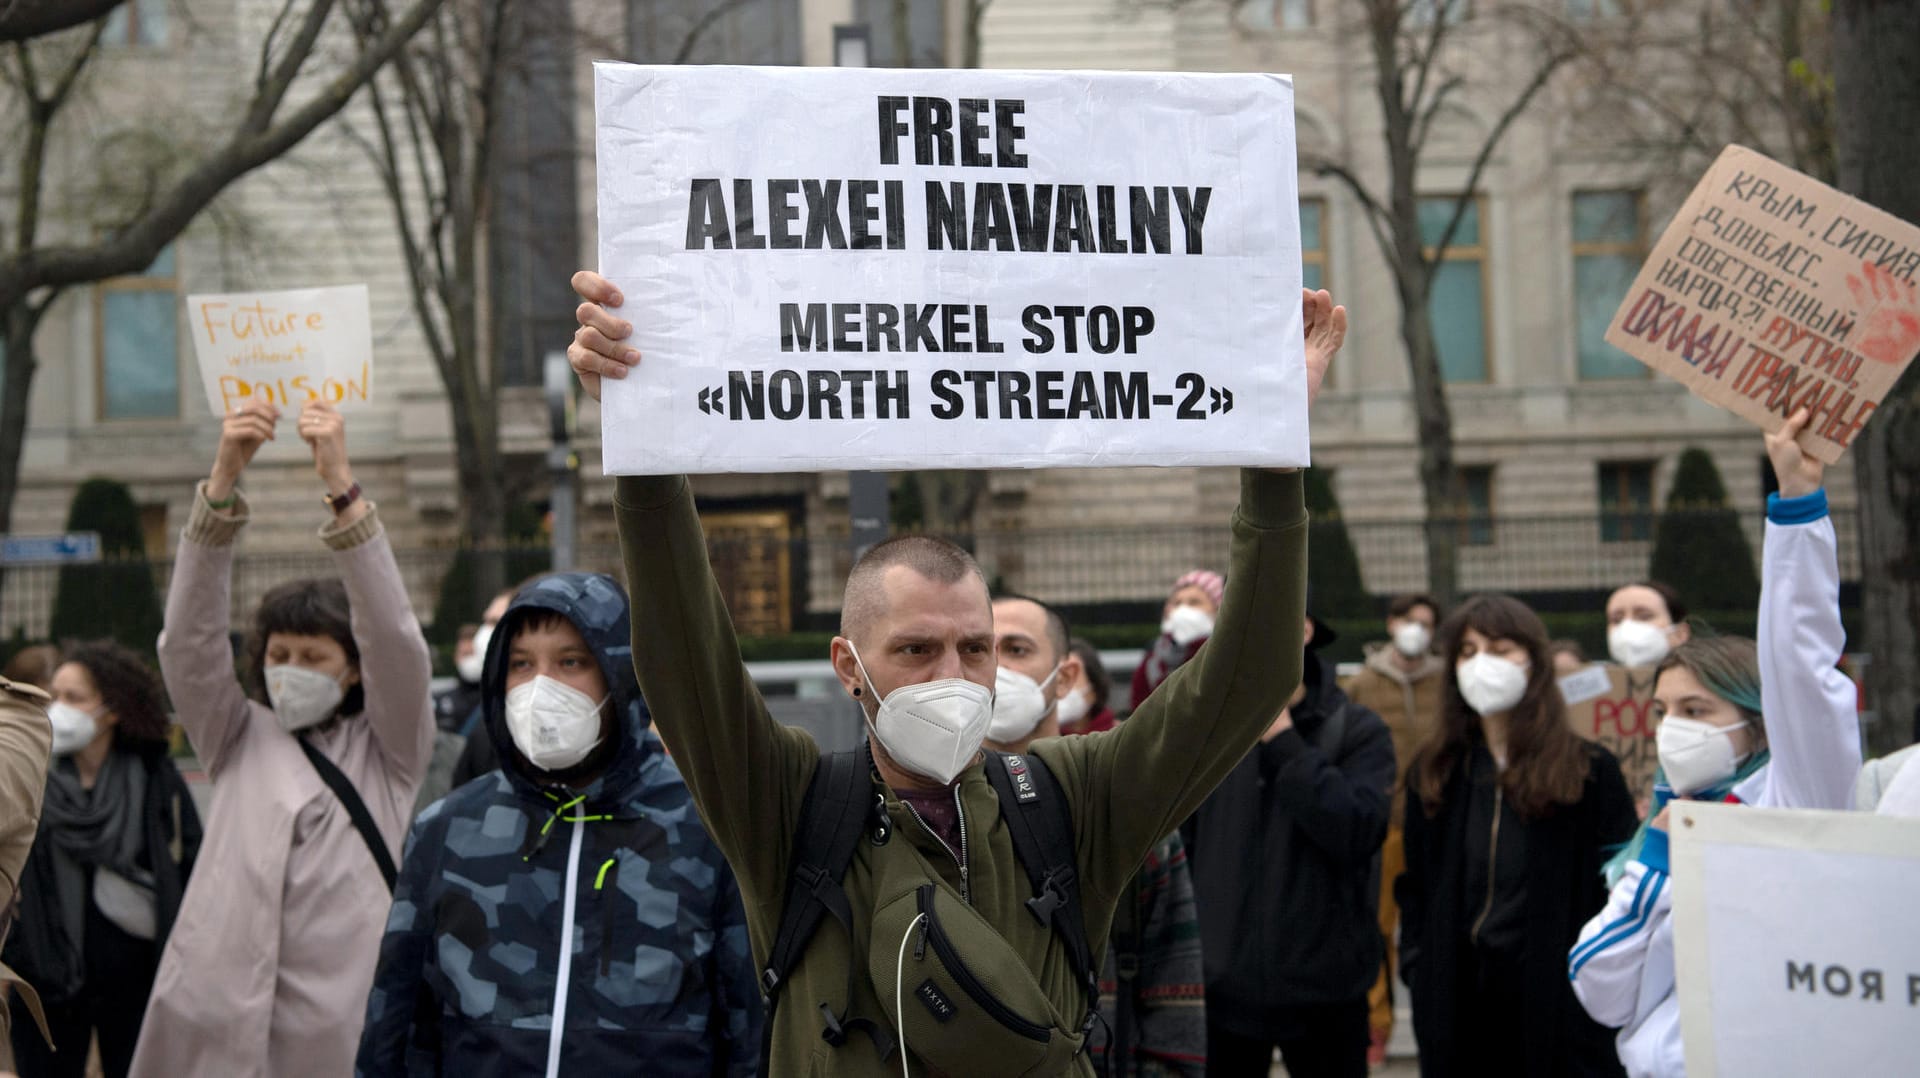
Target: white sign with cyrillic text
(897,269)
(1796,946)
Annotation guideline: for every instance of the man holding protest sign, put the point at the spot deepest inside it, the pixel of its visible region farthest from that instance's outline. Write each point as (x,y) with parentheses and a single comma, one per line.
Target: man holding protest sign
(917,652)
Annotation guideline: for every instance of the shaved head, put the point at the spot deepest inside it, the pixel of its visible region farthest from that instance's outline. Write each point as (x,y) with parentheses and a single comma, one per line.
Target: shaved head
(937,560)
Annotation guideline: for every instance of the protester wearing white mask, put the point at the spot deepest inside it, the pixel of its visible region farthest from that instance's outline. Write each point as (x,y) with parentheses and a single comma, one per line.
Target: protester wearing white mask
(1087,708)
(1645,621)
(1401,681)
(101,890)
(1038,674)
(1509,818)
(917,611)
(1186,621)
(267,972)
(1770,723)
(479,754)
(608,843)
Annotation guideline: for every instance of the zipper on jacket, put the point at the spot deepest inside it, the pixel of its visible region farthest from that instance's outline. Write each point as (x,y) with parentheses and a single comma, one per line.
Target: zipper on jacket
(564,972)
(962,976)
(1493,862)
(961,812)
(959,859)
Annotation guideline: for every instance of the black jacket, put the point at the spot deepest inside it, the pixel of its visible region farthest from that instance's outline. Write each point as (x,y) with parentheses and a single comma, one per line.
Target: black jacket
(1285,857)
(40,948)
(1564,887)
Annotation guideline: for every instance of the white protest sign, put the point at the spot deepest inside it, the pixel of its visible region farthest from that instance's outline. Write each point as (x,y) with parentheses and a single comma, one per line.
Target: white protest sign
(286,347)
(873,268)
(1796,947)
(1590,682)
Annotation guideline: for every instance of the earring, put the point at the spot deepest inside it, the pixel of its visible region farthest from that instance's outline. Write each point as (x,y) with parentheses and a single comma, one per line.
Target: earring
(856,690)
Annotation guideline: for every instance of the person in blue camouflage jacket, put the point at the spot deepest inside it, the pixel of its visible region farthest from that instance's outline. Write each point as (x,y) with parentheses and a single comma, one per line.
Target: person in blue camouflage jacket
(585,834)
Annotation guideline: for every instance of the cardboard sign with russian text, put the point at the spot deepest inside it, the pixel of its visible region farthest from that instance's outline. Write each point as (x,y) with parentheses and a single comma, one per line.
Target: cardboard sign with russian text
(1608,704)
(1771,292)
(880,268)
(286,347)
(1795,946)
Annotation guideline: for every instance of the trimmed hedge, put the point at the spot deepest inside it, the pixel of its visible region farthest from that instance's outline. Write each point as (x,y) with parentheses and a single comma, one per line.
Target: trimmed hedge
(116,598)
(1698,544)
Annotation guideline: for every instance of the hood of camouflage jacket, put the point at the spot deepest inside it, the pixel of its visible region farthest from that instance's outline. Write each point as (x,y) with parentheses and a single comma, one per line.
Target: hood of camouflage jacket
(597,606)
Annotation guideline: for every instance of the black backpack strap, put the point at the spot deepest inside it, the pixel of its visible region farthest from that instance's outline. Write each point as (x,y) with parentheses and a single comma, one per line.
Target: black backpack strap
(835,813)
(1041,827)
(342,788)
(1126,971)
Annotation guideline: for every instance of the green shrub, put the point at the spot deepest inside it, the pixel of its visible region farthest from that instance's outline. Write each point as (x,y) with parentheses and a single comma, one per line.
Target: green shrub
(114,598)
(1333,568)
(1698,545)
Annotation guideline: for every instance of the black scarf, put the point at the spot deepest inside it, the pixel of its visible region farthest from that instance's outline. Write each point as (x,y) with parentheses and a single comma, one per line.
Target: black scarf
(101,827)
(92,829)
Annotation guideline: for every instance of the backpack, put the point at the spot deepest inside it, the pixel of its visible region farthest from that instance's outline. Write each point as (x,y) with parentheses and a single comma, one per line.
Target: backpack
(841,806)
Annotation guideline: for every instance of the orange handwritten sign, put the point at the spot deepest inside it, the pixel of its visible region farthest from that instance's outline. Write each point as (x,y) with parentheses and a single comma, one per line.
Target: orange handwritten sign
(1771,292)
(286,347)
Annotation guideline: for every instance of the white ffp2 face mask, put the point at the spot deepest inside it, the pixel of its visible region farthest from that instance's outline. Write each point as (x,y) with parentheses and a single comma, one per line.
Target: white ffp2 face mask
(553,724)
(1638,643)
(1412,639)
(1491,685)
(1696,755)
(1073,708)
(1187,624)
(471,667)
(1019,703)
(933,728)
(73,729)
(301,696)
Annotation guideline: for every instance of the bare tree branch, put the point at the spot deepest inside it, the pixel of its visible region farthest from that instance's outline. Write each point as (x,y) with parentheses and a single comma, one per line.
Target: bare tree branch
(1379,221)
(136,246)
(23,20)
(267,100)
(1541,76)
(266,44)
(703,24)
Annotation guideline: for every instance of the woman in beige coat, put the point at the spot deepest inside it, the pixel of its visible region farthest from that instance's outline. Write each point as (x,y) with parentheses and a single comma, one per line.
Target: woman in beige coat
(268,967)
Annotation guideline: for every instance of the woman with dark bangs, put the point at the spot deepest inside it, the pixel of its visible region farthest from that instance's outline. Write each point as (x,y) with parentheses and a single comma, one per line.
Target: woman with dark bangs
(1509,819)
(118,835)
(268,969)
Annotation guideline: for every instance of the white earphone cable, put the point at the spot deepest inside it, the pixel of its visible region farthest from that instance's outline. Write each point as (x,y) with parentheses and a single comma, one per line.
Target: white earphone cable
(899,992)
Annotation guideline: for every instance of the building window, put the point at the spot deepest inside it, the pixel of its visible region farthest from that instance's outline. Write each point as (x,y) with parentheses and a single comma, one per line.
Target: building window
(1422,12)
(1609,244)
(1457,300)
(1476,510)
(137,22)
(139,344)
(1626,500)
(1276,14)
(1589,10)
(1313,242)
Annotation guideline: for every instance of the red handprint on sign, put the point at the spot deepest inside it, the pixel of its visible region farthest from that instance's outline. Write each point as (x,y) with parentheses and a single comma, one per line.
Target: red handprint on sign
(1889,313)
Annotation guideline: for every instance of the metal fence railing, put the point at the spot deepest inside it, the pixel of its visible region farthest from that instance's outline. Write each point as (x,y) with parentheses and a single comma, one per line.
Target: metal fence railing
(777,584)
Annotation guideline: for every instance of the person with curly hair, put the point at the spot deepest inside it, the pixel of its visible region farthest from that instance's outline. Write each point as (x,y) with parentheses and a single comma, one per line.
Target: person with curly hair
(118,836)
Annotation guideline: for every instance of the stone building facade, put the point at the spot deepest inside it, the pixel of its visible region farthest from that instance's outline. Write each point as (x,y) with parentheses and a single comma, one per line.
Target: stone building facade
(1549,427)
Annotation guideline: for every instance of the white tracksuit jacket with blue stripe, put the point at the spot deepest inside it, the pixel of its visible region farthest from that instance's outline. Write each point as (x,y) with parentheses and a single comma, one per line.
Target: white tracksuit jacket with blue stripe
(1622,967)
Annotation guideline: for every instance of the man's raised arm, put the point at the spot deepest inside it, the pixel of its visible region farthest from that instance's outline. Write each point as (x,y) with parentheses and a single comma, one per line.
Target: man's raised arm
(747,773)
(1137,783)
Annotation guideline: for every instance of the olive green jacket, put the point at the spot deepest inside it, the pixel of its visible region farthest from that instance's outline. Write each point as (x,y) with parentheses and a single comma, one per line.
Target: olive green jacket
(1127,788)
